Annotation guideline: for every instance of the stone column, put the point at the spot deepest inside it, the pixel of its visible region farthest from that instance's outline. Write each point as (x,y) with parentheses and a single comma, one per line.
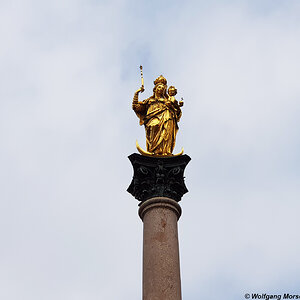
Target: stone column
(161,268)
(159,184)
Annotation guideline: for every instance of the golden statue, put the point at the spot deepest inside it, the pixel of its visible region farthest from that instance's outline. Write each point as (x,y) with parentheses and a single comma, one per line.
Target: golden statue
(160,115)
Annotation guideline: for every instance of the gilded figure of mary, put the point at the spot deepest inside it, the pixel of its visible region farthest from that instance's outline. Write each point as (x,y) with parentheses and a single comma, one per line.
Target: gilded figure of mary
(159,114)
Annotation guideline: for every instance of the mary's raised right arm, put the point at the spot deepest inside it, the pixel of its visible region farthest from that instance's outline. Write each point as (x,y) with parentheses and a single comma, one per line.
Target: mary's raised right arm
(138,107)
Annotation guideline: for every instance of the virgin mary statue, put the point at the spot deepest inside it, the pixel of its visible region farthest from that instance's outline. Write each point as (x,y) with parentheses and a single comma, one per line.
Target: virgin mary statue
(159,114)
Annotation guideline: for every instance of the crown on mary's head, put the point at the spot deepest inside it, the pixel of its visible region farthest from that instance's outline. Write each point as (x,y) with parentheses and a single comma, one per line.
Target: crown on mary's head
(160,79)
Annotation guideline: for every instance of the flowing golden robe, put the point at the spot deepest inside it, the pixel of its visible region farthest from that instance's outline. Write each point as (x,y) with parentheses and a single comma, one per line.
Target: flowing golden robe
(160,118)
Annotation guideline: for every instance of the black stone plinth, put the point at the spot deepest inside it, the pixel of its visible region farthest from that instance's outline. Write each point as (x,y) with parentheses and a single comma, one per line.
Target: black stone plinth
(158,177)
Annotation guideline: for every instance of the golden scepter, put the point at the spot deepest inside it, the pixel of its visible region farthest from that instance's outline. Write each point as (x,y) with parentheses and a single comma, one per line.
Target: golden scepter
(141,68)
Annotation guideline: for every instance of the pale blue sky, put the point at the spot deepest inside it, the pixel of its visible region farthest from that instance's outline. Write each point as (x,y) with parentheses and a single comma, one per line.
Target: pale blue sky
(68,228)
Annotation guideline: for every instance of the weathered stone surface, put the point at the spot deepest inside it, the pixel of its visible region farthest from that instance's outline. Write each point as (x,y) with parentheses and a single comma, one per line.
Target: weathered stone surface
(158,177)
(161,268)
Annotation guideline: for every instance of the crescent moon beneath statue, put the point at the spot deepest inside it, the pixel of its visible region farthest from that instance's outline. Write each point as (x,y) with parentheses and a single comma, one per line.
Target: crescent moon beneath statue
(146,153)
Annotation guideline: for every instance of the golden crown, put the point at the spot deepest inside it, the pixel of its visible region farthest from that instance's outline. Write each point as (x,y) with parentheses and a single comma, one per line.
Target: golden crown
(160,79)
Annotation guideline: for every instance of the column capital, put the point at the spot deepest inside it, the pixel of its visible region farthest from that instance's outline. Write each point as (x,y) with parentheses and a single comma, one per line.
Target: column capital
(158,177)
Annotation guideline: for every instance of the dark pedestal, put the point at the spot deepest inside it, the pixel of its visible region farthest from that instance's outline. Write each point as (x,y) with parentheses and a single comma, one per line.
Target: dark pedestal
(158,177)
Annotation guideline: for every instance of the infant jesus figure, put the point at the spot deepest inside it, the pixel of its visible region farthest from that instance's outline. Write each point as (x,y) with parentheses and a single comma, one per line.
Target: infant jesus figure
(172,91)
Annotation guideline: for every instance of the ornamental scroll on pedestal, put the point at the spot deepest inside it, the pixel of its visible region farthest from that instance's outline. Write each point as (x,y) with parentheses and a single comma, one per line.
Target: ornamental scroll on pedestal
(158,172)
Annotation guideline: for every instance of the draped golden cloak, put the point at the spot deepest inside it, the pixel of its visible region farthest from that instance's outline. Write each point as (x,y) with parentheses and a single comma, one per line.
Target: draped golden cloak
(160,118)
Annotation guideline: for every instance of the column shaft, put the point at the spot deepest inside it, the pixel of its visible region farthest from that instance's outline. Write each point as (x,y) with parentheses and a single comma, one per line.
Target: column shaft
(161,268)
